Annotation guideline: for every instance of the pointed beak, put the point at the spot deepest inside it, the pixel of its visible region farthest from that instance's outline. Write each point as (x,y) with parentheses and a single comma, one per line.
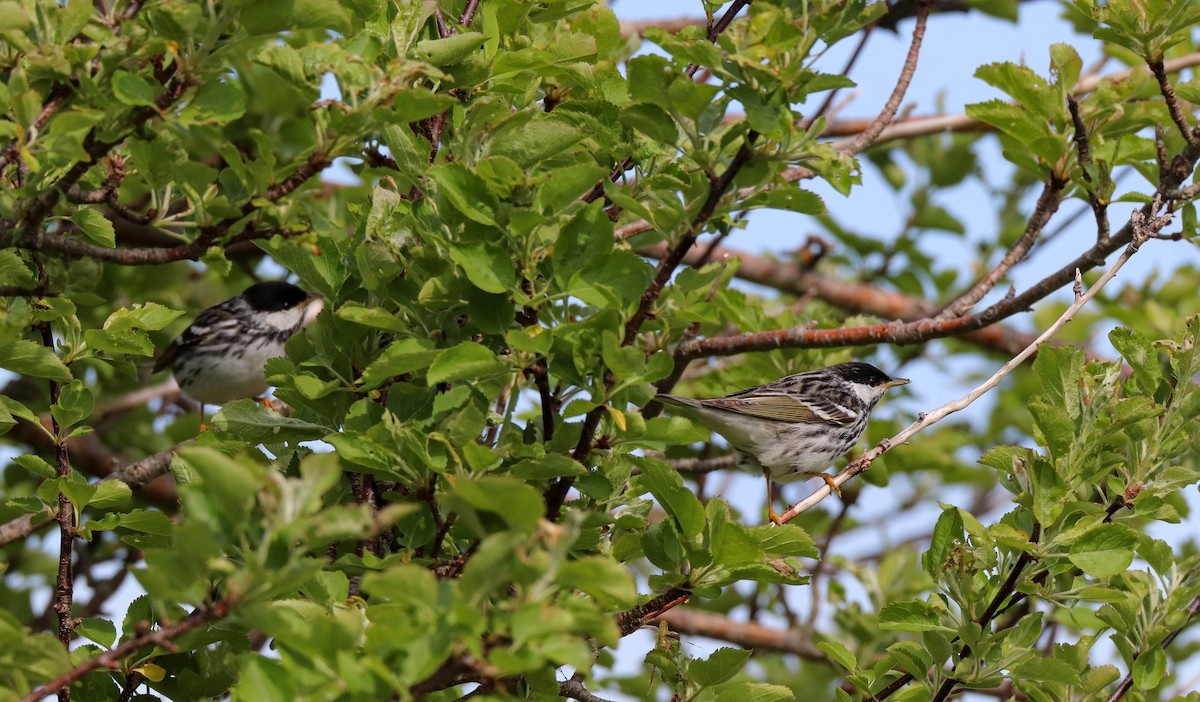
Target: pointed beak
(896,382)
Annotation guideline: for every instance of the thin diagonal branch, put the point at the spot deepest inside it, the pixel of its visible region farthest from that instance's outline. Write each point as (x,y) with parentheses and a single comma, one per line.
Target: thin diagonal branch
(872,132)
(1084,148)
(1047,205)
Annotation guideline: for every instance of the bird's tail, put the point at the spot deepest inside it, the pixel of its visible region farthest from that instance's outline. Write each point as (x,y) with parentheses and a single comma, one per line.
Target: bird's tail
(677,401)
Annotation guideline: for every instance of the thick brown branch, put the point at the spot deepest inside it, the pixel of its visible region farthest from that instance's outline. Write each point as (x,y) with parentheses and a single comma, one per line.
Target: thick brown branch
(746,634)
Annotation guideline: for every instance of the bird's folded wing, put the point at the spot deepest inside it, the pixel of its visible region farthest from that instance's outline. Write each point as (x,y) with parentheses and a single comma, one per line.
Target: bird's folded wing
(209,324)
(786,408)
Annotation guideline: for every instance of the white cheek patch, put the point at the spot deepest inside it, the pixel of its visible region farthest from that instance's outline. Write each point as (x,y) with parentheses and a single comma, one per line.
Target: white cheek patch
(866,393)
(299,316)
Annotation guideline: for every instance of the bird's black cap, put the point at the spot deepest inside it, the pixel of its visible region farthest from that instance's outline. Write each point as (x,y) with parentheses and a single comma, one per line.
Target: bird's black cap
(274,296)
(862,373)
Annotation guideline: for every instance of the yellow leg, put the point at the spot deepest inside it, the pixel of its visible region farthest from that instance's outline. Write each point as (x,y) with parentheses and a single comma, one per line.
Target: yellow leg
(833,486)
(771,514)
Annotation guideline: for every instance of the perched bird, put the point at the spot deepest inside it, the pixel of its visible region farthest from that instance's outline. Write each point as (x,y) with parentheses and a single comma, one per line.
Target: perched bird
(797,426)
(220,357)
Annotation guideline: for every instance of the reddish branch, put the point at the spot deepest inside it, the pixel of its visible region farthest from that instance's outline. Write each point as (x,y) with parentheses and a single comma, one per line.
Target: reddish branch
(909,332)
(846,295)
(746,634)
(111,658)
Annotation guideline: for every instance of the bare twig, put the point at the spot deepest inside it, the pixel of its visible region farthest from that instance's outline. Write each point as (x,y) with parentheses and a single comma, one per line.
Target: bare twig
(1084,149)
(1168,93)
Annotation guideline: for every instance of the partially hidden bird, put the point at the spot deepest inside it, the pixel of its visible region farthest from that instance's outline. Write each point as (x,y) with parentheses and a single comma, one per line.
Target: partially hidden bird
(795,427)
(220,357)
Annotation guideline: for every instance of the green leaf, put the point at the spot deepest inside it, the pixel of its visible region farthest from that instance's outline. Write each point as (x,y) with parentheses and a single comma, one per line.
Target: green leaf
(912,656)
(1061,370)
(1104,551)
(150,316)
(466,361)
(1139,353)
(1048,670)
(791,199)
(554,465)
(13,270)
(913,615)
(465,191)
(28,358)
(374,317)
(133,89)
(36,465)
(754,692)
(947,532)
(652,121)
(517,505)
(488,266)
(102,631)
(75,403)
(400,357)
(110,493)
(147,521)
(250,421)
(787,540)
(607,581)
(841,655)
(667,487)
(1149,667)
(450,50)
(77,489)
(11,408)
(721,666)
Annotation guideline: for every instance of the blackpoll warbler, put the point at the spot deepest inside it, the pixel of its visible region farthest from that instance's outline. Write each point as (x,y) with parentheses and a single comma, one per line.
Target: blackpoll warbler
(797,426)
(220,357)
